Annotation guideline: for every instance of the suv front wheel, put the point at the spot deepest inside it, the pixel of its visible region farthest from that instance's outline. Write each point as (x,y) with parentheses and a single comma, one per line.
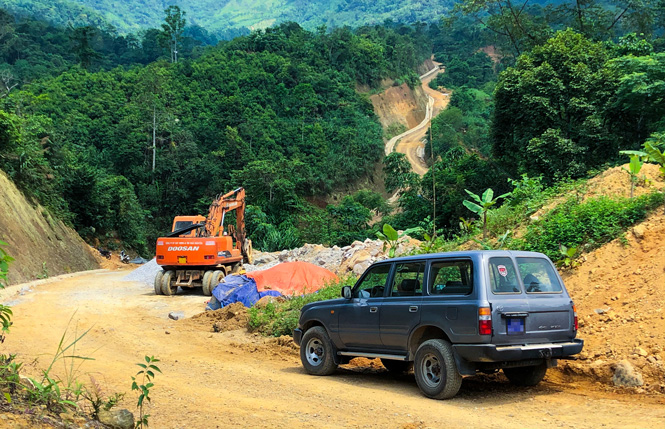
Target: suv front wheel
(316,352)
(436,371)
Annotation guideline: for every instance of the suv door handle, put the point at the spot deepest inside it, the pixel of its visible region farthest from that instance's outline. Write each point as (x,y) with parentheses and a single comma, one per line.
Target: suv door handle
(373,309)
(413,309)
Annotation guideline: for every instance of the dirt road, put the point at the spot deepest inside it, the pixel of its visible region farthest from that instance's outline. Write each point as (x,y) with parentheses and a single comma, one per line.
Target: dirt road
(235,379)
(410,142)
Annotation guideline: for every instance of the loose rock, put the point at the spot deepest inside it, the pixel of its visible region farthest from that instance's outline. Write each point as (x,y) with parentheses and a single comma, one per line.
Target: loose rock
(626,376)
(176,315)
(117,419)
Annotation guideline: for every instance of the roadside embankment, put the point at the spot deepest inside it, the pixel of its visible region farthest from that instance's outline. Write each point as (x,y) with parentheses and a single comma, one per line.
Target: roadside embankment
(41,245)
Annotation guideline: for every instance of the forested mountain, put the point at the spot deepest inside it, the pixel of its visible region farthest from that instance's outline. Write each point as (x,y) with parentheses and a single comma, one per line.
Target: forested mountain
(276,112)
(568,86)
(228,18)
(32,49)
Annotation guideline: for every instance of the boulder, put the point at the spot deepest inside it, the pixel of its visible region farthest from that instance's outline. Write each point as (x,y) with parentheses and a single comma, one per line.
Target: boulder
(625,375)
(117,419)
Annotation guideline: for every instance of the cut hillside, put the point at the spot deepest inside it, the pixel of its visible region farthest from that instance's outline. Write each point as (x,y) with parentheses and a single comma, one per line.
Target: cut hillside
(41,245)
(400,105)
(619,290)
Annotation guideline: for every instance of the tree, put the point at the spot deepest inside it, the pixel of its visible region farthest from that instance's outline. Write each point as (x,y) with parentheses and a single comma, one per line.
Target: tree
(653,148)
(510,21)
(634,168)
(483,205)
(173,29)
(82,39)
(398,172)
(553,101)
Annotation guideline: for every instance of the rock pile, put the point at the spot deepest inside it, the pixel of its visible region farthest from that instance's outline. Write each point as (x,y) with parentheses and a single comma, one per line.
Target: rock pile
(353,259)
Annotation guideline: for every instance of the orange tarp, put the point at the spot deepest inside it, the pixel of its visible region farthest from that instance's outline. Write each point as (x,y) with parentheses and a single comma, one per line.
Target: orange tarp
(293,278)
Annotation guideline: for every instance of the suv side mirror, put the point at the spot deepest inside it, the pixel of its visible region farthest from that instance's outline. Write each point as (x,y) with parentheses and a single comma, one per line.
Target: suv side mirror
(346,292)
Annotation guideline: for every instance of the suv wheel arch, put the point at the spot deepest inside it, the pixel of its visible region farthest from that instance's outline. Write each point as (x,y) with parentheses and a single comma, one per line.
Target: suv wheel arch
(339,360)
(312,323)
(422,334)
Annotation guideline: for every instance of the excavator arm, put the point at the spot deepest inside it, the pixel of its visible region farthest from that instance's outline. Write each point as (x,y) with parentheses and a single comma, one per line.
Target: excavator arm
(234,200)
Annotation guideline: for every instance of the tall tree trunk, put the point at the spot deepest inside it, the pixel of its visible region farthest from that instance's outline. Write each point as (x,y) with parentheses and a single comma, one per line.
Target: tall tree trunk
(154,137)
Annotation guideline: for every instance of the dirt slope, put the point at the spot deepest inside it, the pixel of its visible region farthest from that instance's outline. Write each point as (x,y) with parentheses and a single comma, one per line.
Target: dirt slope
(235,379)
(39,243)
(620,295)
(400,104)
(414,109)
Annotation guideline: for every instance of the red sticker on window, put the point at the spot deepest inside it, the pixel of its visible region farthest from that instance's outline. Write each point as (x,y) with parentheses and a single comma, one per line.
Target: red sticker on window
(502,270)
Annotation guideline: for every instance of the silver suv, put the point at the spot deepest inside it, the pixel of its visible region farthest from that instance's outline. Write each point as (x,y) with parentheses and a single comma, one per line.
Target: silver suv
(448,315)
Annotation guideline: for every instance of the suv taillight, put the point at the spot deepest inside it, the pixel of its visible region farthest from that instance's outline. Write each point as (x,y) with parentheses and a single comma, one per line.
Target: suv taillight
(485,321)
(575,323)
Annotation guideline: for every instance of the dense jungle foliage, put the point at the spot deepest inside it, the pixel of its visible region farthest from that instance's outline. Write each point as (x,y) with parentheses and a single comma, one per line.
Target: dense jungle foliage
(540,97)
(227,19)
(276,112)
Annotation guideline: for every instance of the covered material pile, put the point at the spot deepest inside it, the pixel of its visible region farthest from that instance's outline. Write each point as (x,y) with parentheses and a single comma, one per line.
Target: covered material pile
(287,279)
(293,278)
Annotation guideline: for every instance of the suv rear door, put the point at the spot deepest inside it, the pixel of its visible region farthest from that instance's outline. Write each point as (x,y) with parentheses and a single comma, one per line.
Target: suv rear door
(401,309)
(529,303)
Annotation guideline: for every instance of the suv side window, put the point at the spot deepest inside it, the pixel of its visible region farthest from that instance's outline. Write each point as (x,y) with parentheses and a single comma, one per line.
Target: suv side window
(374,282)
(503,276)
(451,278)
(408,279)
(538,276)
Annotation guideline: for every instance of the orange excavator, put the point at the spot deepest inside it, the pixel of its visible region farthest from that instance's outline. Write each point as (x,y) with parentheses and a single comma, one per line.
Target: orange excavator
(200,252)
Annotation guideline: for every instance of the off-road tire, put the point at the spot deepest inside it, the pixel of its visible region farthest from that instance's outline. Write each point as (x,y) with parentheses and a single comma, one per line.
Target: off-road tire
(435,370)
(526,375)
(158,282)
(316,352)
(167,287)
(207,276)
(396,366)
(215,278)
(248,252)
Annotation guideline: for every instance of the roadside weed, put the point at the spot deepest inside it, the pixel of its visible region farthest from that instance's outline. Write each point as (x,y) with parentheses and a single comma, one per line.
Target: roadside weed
(147,374)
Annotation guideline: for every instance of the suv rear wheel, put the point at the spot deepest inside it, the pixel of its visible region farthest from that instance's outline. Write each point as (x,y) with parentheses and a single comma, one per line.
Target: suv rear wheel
(526,375)
(316,352)
(436,371)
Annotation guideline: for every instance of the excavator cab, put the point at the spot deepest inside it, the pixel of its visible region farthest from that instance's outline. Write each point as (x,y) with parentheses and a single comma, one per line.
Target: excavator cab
(181,222)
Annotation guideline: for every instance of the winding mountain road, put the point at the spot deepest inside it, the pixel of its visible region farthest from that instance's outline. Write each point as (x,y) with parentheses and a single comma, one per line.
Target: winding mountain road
(410,142)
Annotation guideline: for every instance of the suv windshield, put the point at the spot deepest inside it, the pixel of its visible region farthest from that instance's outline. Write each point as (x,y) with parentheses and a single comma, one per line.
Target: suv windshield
(538,276)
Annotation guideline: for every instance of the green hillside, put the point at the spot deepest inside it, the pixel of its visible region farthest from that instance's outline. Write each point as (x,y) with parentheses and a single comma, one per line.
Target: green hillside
(220,16)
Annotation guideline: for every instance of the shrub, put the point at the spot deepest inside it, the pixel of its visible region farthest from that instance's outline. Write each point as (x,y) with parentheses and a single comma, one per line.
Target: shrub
(277,319)
(589,224)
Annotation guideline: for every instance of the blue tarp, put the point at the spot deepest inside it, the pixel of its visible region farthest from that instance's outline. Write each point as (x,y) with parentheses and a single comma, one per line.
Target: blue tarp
(237,289)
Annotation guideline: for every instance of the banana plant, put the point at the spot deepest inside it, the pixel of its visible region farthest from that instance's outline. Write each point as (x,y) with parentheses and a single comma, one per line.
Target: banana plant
(634,167)
(652,152)
(655,154)
(483,205)
(391,238)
